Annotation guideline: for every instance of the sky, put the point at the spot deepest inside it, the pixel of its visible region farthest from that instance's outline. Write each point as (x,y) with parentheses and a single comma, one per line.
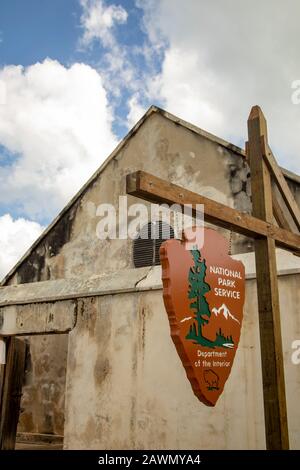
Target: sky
(76,75)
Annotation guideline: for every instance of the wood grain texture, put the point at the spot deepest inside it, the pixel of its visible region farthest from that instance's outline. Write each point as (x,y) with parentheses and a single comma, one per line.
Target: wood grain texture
(276,426)
(281,182)
(12,391)
(279,214)
(152,188)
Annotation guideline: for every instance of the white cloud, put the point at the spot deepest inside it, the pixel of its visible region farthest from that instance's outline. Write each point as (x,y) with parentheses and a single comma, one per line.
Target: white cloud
(2,93)
(124,67)
(99,23)
(136,111)
(16,236)
(224,57)
(58,121)
(99,20)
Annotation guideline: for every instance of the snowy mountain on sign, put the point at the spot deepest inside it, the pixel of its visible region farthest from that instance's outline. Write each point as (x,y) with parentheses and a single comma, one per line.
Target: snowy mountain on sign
(224,310)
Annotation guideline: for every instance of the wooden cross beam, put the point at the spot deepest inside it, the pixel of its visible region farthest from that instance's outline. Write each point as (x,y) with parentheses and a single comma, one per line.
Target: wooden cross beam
(154,189)
(259,226)
(280,181)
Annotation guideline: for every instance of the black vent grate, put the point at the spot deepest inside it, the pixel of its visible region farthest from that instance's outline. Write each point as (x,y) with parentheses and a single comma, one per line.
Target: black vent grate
(146,248)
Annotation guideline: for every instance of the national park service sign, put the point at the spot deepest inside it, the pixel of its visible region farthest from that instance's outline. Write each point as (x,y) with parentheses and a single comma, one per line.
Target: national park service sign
(204,292)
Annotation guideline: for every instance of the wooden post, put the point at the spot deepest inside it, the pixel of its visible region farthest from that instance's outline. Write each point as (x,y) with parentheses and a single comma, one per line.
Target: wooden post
(2,372)
(11,393)
(276,426)
(2,378)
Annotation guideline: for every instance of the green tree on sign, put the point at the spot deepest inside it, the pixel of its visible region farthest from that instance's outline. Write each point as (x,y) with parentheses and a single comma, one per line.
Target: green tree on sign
(198,288)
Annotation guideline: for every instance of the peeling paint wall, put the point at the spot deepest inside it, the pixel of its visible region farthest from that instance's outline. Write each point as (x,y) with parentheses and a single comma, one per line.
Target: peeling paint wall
(42,406)
(136,394)
(71,249)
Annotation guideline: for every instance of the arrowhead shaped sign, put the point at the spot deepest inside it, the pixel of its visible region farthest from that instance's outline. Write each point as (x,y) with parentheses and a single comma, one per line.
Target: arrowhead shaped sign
(204,292)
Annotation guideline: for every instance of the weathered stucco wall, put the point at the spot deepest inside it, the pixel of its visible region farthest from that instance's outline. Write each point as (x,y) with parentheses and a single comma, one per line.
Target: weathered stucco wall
(43,392)
(126,386)
(71,249)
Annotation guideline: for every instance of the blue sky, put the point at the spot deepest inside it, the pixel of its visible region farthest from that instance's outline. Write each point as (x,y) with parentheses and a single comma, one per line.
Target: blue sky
(34,29)
(52,28)
(76,75)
